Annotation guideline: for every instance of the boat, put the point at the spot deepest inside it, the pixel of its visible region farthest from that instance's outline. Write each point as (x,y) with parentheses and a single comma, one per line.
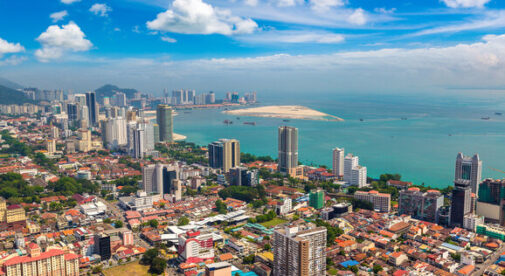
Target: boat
(498,113)
(250,123)
(238,118)
(361,119)
(187,112)
(228,122)
(285,120)
(450,134)
(404,118)
(485,118)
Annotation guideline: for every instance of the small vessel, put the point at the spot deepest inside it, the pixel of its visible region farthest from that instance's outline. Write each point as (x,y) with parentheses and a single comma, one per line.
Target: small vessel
(238,118)
(485,118)
(498,113)
(404,118)
(450,134)
(187,112)
(228,122)
(285,120)
(250,123)
(361,119)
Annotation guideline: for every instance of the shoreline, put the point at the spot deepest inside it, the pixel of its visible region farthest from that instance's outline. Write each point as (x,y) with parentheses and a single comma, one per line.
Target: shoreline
(296,112)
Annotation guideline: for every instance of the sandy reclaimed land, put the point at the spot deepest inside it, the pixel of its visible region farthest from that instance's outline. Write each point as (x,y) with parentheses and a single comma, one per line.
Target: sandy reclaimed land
(285,112)
(179,137)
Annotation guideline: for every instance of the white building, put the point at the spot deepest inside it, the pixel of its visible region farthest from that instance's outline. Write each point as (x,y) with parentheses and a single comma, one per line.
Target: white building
(196,246)
(350,161)
(114,133)
(338,162)
(139,202)
(470,221)
(358,176)
(93,208)
(284,206)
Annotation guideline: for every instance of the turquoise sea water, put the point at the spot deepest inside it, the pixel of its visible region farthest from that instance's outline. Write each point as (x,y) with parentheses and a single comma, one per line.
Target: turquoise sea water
(422,148)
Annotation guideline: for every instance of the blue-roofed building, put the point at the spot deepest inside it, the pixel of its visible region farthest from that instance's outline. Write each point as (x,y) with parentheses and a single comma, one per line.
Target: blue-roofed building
(349,263)
(452,247)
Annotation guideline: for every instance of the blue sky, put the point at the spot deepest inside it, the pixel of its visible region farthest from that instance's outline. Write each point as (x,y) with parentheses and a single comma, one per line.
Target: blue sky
(265,45)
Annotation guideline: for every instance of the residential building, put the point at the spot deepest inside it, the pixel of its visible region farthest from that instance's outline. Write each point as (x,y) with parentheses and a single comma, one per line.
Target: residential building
(288,148)
(224,154)
(470,221)
(51,262)
(114,134)
(165,123)
(92,106)
(381,202)
(338,162)
(358,176)
(15,213)
(419,205)
(350,162)
(51,146)
(468,171)
(218,269)
(300,249)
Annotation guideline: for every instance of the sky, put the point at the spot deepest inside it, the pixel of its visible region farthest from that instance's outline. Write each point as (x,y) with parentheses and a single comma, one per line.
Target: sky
(270,46)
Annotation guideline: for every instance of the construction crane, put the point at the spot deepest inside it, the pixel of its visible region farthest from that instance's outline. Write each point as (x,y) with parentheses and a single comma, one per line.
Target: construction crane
(496,170)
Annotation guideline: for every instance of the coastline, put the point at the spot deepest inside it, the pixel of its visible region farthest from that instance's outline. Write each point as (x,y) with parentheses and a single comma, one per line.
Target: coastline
(284,112)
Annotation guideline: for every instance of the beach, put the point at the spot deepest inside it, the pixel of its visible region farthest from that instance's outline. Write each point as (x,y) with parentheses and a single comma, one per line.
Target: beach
(284,112)
(179,137)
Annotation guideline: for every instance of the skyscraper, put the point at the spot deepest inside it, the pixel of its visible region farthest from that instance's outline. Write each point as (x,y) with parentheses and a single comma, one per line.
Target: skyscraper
(92,107)
(114,133)
(338,162)
(419,205)
(138,143)
(102,246)
(460,202)
(300,249)
(468,171)
(165,123)
(316,199)
(224,154)
(72,112)
(288,148)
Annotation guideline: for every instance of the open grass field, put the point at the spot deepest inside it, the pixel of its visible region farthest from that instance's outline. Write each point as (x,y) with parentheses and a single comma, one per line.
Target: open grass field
(131,269)
(274,222)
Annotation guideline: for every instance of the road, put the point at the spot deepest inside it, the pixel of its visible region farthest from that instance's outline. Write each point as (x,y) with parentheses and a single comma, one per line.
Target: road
(491,260)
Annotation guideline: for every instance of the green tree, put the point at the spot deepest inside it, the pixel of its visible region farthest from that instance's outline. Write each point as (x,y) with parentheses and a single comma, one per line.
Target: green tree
(149,256)
(154,223)
(158,266)
(377,268)
(183,221)
(118,224)
(221,207)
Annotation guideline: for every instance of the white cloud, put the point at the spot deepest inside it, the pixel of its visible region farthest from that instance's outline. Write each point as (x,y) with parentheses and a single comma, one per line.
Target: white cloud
(294,37)
(9,48)
(57,16)
(136,29)
(56,41)
(198,17)
(286,3)
(252,3)
(12,60)
(69,1)
(465,3)
(384,10)
(100,9)
(324,5)
(168,39)
(492,19)
(357,17)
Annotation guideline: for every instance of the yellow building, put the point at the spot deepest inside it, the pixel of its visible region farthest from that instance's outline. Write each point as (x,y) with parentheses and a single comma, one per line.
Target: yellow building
(15,213)
(3,209)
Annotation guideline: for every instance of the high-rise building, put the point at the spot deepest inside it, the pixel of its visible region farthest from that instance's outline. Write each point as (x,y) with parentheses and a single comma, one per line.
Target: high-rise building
(196,246)
(338,162)
(491,201)
(127,238)
(92,108)
(460,202)
(72,112)
(300,249)
(138,143)
(241,176)
(165,123)
(158,178)
(350,162)
(119,99)
(51,146)
(224,154)
(419,205)
(316,199)
(468,171)
(288,148)
(358,176)
(102,246)
(114,133)
(380,201)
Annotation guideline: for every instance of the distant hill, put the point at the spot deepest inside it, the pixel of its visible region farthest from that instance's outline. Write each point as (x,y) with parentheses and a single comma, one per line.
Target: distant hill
(10,84)
(108,90)
(11,96)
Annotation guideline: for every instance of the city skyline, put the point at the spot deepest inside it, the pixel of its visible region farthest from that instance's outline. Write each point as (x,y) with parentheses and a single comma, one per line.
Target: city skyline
(315,46)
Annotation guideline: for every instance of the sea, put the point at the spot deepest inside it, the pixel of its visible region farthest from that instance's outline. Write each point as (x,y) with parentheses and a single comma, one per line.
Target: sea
(415,135)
